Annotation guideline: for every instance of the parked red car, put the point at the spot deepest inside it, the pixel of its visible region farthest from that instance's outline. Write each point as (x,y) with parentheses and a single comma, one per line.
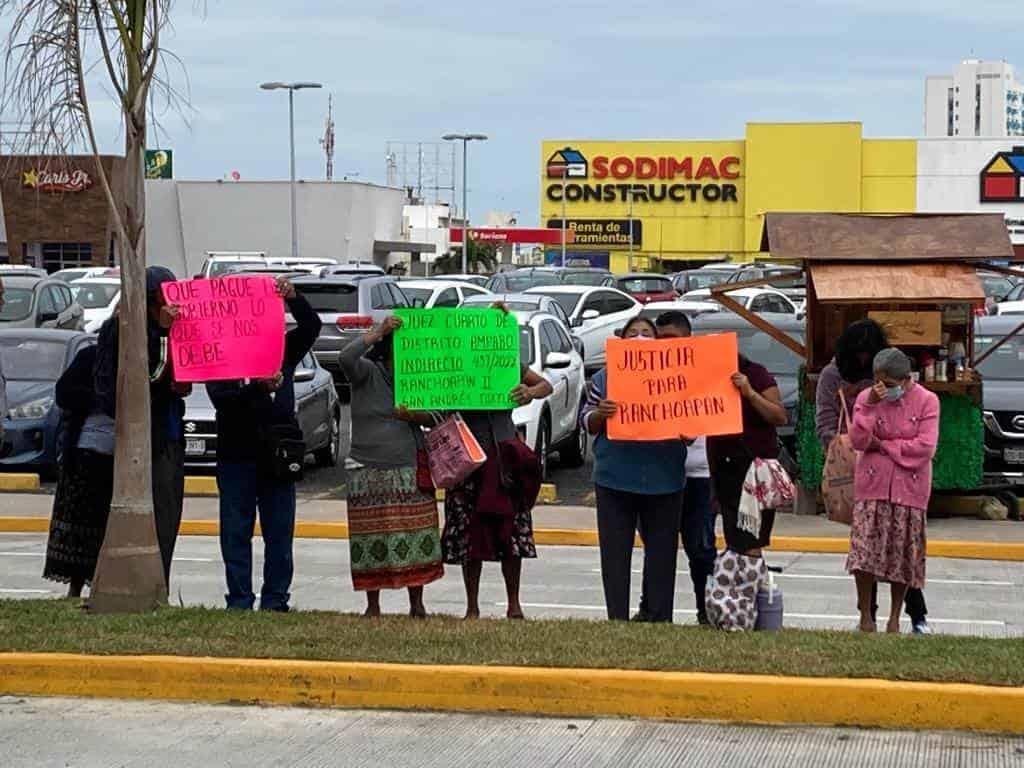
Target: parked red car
(645,288)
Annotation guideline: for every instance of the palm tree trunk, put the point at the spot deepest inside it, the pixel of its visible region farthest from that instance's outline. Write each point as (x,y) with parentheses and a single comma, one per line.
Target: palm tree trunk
(129,573)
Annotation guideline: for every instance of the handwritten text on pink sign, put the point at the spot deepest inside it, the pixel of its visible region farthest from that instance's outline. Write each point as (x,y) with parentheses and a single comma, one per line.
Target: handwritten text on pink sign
(229,328)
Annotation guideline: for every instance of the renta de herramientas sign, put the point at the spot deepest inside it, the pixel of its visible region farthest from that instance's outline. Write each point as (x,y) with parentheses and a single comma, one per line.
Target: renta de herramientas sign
(645,179)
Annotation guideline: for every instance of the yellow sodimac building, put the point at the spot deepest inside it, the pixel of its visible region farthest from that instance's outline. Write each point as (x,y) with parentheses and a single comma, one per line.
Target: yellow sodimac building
(703,200)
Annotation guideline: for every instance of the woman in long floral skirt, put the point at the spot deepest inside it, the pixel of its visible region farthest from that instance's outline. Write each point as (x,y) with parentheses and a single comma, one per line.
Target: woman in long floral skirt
(394,540)
(896,429)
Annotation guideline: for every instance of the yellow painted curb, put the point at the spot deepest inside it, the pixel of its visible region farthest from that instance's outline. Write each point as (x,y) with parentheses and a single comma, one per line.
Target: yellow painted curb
(535,691)
(24,524)
(19,481)
(580,537)
(200,485)
(548,494)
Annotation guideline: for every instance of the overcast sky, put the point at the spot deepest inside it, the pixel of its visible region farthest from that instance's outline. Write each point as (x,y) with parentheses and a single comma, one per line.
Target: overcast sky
(529,70)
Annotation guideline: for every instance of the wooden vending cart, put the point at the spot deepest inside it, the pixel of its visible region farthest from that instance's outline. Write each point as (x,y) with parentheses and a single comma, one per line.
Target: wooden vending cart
(916,275)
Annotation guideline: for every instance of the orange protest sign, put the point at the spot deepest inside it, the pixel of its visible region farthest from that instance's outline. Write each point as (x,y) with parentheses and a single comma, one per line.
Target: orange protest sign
(670,387)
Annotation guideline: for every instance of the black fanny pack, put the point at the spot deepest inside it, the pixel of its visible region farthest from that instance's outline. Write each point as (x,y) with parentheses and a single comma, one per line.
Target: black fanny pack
(284,450)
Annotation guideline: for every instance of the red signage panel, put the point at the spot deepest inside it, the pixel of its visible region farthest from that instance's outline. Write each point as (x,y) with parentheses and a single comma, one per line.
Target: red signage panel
(504,235)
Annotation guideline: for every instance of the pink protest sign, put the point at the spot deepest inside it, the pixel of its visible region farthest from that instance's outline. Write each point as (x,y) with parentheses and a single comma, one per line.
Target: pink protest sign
(229,328)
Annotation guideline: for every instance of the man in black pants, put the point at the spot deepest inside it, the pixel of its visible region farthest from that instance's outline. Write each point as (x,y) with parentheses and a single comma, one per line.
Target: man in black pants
(245,410)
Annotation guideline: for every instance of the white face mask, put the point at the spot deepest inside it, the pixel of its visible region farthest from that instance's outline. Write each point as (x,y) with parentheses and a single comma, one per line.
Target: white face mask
(641,337)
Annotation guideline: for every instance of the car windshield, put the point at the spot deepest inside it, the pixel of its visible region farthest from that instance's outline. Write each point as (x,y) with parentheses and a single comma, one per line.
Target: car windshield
(519,283)
(17,304)
(417,296)
(761,348)
(646,285)
(32,360)
(1005,363)
(525,345)
(331,299)
(583,278)
(567,300)
(67,275)
(997,286)
(523,305)
(95,295)
(695,281)
(219,268)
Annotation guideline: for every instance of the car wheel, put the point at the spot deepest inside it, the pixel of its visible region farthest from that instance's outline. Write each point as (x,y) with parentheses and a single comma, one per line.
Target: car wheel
(328,455)
(574,453)
(543,445)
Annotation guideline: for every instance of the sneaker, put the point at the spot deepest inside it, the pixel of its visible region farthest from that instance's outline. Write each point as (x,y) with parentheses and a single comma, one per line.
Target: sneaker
(922,628)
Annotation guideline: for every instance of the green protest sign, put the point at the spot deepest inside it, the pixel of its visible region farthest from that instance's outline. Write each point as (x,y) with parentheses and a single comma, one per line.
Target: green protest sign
(456,359)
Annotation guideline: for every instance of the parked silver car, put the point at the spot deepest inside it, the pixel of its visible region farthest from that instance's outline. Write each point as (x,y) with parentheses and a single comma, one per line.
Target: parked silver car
(316,409)
(39,302)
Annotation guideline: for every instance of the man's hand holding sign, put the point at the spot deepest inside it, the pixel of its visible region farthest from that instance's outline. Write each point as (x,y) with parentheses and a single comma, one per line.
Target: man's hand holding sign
(227,328)
(671,389)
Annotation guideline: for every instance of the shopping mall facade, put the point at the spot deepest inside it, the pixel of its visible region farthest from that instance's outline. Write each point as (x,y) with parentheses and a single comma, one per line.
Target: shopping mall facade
(698,201)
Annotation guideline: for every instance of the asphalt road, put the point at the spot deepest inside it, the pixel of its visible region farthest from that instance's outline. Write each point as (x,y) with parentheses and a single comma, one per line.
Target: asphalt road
(964,596)
(574,485)
(45,733)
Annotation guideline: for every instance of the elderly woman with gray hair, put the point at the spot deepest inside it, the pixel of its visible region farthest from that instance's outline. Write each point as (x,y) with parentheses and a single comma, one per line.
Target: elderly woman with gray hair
(896,430)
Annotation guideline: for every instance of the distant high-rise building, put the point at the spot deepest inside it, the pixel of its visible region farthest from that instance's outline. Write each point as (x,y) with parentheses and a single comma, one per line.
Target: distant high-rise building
(980,98)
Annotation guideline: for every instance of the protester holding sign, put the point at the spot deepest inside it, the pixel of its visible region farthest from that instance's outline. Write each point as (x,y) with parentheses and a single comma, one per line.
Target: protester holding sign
(249,415)
(730,456)
(394,540)
(167,407)
(637,482)
(489,516)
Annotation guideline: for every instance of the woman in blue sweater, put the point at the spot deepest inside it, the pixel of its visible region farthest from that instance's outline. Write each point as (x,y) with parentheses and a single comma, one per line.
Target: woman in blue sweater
(637,483)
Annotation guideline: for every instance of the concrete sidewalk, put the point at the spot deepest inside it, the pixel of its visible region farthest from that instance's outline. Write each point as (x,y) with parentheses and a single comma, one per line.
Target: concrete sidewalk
(567,518)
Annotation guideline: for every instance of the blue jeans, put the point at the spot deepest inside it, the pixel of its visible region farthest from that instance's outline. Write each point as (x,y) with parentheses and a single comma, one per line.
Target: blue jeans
(698,529)
(243,489)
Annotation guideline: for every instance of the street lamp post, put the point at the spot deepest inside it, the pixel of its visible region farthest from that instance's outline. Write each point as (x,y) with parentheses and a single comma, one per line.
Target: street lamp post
(291,88)
(563,216)
(465,138)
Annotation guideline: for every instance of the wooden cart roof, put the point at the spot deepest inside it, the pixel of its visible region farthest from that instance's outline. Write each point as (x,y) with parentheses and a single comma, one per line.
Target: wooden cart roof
(896,282)
(861,237)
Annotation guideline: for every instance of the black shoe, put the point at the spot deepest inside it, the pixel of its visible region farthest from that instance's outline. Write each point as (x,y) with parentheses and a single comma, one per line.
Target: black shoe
(641,617)
(702,619)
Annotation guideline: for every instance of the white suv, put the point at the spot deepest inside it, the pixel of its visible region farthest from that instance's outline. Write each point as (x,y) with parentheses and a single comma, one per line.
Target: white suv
(551,424)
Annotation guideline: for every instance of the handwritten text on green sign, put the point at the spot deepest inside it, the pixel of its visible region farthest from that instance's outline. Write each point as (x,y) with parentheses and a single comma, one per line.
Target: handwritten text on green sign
(456,359)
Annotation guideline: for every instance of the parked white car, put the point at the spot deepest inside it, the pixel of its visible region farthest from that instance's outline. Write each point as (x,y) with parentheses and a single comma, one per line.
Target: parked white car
(595,314)
(71,274)
(760,300)
(551,424)
(1013,304)
(692,309)
(99,297)
(439,293)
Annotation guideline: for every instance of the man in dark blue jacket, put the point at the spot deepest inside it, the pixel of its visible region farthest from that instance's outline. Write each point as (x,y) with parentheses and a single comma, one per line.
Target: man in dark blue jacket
(245,411)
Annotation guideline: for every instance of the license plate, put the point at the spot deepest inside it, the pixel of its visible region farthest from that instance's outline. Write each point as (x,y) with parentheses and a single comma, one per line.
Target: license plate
(1014,455)
(195,447)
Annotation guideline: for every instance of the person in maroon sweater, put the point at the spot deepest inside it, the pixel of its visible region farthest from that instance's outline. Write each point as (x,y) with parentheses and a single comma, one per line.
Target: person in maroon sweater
(730,456)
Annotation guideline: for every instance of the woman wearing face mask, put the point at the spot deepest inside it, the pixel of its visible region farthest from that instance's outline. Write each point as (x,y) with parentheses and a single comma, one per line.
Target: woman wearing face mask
(850,373)
(636,483)
(896,429)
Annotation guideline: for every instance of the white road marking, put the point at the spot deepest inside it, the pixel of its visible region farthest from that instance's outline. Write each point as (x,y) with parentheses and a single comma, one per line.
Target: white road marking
(847,577)
(809,616)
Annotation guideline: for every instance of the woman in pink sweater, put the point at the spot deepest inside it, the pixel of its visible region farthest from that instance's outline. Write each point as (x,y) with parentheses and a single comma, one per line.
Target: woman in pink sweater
(896,429)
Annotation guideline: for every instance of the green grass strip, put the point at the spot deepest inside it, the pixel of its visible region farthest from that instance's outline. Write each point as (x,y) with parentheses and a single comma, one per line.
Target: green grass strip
(52,626)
